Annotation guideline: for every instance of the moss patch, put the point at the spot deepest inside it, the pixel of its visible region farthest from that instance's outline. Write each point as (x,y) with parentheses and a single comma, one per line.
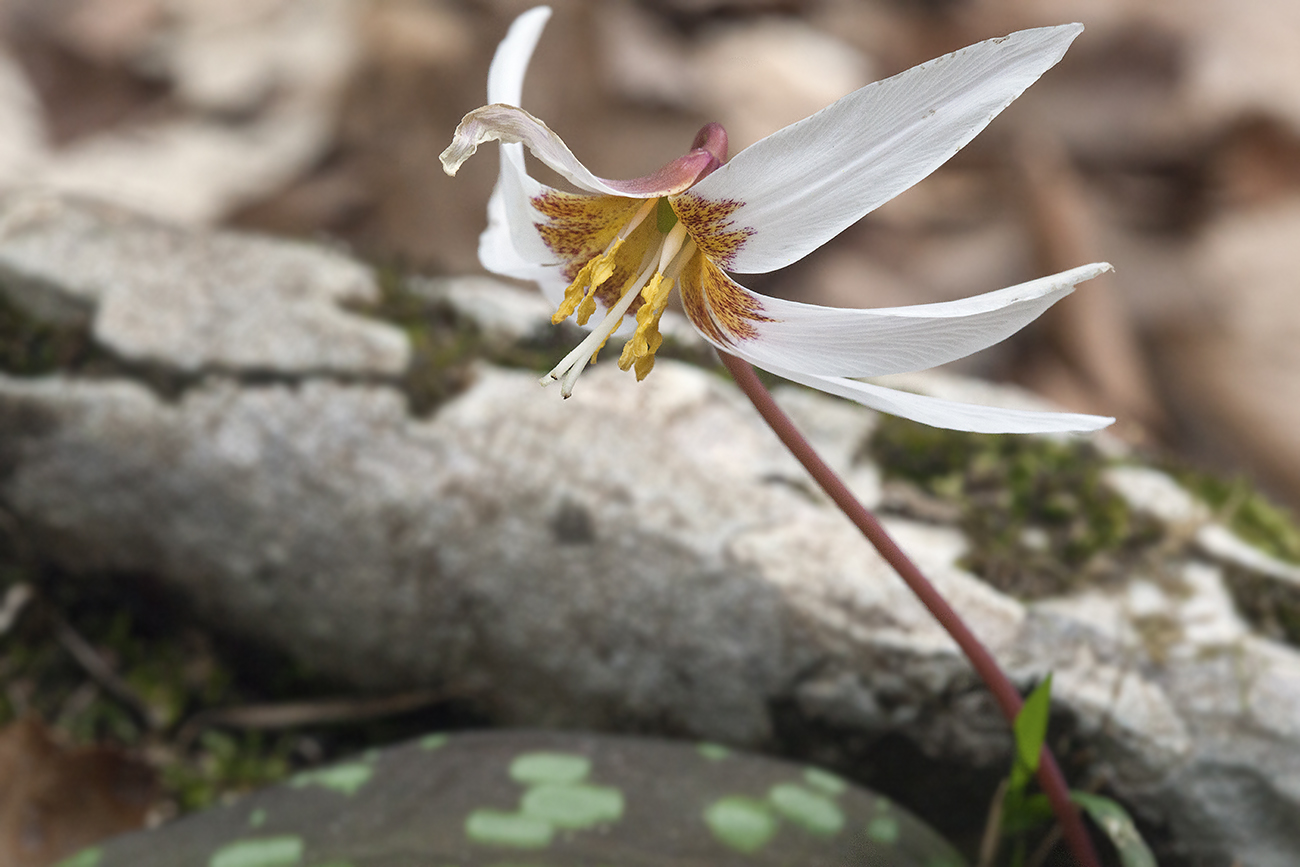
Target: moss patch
(1039,517)
(1246,511)
(29,347)
(1271,606)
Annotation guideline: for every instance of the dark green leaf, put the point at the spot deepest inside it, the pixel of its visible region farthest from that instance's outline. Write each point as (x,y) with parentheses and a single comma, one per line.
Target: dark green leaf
(1024,813)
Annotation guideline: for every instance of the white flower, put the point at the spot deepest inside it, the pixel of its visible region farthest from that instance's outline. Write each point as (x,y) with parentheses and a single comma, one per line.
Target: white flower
(619,247)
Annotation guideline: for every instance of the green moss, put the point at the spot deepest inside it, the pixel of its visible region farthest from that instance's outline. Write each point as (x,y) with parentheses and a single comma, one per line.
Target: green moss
(1246,511)
(1271,606)
(29,347)
(1040,520)
(32,347)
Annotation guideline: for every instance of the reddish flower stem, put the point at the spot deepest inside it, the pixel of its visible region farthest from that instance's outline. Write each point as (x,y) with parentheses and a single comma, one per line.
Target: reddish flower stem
(1008,699)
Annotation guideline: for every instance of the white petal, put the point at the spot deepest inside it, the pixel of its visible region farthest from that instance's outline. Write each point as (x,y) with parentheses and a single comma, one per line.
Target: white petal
(510,63)
(510,244)
(510,124)
(511,238)
(803,185)
(831,341)
(946,413)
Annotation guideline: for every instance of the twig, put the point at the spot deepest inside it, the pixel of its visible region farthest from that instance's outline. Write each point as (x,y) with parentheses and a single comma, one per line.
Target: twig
(102,673)
(16,599)
(290,714)
(1049,773)
(993,827)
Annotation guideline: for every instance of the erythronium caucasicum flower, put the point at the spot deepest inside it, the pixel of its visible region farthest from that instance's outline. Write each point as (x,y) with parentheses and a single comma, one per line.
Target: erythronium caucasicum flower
(617,249)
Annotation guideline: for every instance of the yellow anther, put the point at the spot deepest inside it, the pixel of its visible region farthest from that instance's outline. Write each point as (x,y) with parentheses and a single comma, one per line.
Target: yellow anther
(640,350)
(586,308)
(580,294)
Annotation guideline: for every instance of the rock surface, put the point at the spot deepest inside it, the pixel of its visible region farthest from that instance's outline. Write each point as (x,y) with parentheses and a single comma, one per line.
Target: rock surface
(641,557)
(191,301)
(253,90)
(481,799)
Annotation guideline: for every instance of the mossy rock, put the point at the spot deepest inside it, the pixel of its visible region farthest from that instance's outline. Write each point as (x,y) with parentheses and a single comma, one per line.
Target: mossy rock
(542,799)
(1039,516)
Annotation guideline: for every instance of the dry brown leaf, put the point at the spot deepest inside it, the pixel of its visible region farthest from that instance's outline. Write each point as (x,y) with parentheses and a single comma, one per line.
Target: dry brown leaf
(55,800)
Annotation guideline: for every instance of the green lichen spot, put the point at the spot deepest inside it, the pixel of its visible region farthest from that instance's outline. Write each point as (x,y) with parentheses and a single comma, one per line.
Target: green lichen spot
(434,741)
(812,811)
(495,828)
(741,823)
(827,782)
(713,752)
(345,779)
(266,852)
(257,818)
(573,807)
(335,864)
(884,830)
(561,768)
(84,858)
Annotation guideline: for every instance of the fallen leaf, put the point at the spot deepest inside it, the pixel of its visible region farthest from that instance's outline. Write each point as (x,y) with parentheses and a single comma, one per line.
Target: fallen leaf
(55,800)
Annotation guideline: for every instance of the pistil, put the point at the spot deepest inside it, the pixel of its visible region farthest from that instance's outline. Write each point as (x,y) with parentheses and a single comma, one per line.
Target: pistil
(572,365)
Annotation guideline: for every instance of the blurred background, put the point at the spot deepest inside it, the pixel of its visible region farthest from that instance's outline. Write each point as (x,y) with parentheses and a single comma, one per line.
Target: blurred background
(1167,142)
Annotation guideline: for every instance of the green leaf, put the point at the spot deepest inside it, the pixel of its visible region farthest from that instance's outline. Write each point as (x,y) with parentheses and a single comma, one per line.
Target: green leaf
(1031,730)
(1025,813)
(1115,821)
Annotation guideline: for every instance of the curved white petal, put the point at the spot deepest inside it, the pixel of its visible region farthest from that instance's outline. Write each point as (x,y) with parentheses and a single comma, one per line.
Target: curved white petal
(510,244)
(945,413)
(831,341)
(510,124)
(511,237)
(804,184)
(510,63)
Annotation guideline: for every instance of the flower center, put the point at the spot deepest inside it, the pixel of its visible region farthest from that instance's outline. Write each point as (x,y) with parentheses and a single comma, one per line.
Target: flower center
(667,251)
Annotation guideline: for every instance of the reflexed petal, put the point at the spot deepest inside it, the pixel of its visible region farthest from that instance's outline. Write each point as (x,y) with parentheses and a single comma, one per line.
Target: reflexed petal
(831,341)
(945,413)
(509,124)
(803,185)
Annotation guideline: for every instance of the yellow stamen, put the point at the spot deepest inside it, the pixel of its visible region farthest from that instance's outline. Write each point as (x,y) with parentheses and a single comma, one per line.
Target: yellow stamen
(646,340)
(580,295)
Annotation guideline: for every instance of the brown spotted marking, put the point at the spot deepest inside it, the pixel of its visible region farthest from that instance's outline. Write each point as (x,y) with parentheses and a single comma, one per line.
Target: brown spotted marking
(710,224)
(723,311)
(580,227)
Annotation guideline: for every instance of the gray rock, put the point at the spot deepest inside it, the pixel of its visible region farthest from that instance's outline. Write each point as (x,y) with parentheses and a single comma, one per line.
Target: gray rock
(640,557)
(255,93)
(575,799)
(191,300)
